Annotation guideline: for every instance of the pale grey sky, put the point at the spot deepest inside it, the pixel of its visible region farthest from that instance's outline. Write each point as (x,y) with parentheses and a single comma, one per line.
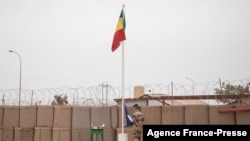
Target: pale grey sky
(68,42)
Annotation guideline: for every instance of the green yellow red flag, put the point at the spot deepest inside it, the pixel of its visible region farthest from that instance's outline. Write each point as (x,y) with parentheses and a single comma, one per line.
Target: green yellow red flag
(119,35)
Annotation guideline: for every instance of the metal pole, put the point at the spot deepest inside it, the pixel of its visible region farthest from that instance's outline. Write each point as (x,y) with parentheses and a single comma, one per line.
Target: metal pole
(20,79)
(107,87)
(102,94)
(31,98)
(20,84)
(3,100)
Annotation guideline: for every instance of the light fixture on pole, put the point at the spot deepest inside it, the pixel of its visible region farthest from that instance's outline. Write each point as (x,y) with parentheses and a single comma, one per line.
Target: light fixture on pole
(192,82)
(20,79)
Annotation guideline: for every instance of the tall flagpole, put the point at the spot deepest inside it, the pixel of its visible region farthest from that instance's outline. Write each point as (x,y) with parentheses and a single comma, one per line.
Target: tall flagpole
(123,136)
(123,81)
(123,88)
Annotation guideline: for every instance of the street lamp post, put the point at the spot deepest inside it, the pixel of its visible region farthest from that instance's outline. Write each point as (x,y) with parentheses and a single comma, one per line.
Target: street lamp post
(20,80)
(192,82)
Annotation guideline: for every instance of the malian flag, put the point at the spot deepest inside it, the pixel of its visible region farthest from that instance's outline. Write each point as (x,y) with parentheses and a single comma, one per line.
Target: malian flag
(119,35)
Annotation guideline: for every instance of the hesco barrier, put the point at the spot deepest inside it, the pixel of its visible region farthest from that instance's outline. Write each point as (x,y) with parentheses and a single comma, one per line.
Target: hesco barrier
(72,123)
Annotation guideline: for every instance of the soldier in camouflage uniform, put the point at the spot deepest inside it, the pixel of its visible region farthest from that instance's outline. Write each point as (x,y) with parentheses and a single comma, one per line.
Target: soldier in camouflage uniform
(138,120)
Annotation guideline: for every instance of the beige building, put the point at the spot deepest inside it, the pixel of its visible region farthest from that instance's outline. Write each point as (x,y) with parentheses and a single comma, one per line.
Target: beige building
(156,100)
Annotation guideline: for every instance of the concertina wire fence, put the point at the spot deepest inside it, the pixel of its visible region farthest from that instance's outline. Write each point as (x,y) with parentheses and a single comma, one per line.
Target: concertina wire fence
(104,94)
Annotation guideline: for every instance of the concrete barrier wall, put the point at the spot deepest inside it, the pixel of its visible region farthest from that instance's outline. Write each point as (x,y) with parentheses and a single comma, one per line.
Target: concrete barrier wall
(242,117)
(1,116)
(11,116)
(42,134)
(152,114)
(114,117)
(28,116)
(80,117)
(45,116)
(218,118)
(23,134)
(62,117)
(80,134)
(101,114)
(72,123)
(173,115)
(8,134)
(196,114)
(61,134)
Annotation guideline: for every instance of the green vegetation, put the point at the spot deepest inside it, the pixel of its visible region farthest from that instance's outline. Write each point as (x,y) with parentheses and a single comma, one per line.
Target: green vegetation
(60,99)
(226,88)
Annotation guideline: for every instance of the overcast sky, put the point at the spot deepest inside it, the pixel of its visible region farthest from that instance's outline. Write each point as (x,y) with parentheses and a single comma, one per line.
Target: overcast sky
(68,42)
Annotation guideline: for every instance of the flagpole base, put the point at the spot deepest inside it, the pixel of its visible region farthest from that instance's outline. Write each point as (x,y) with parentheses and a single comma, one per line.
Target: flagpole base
(122,137)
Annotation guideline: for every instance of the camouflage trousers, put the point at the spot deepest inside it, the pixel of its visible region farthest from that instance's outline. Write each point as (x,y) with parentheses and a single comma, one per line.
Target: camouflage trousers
(137,133)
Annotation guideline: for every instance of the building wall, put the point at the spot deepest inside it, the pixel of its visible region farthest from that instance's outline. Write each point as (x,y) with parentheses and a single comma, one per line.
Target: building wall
(138,91)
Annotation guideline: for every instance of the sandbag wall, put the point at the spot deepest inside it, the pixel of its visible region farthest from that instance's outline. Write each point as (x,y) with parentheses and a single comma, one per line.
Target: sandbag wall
(72,123)
(55,123)
(201,115)
(189,115)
